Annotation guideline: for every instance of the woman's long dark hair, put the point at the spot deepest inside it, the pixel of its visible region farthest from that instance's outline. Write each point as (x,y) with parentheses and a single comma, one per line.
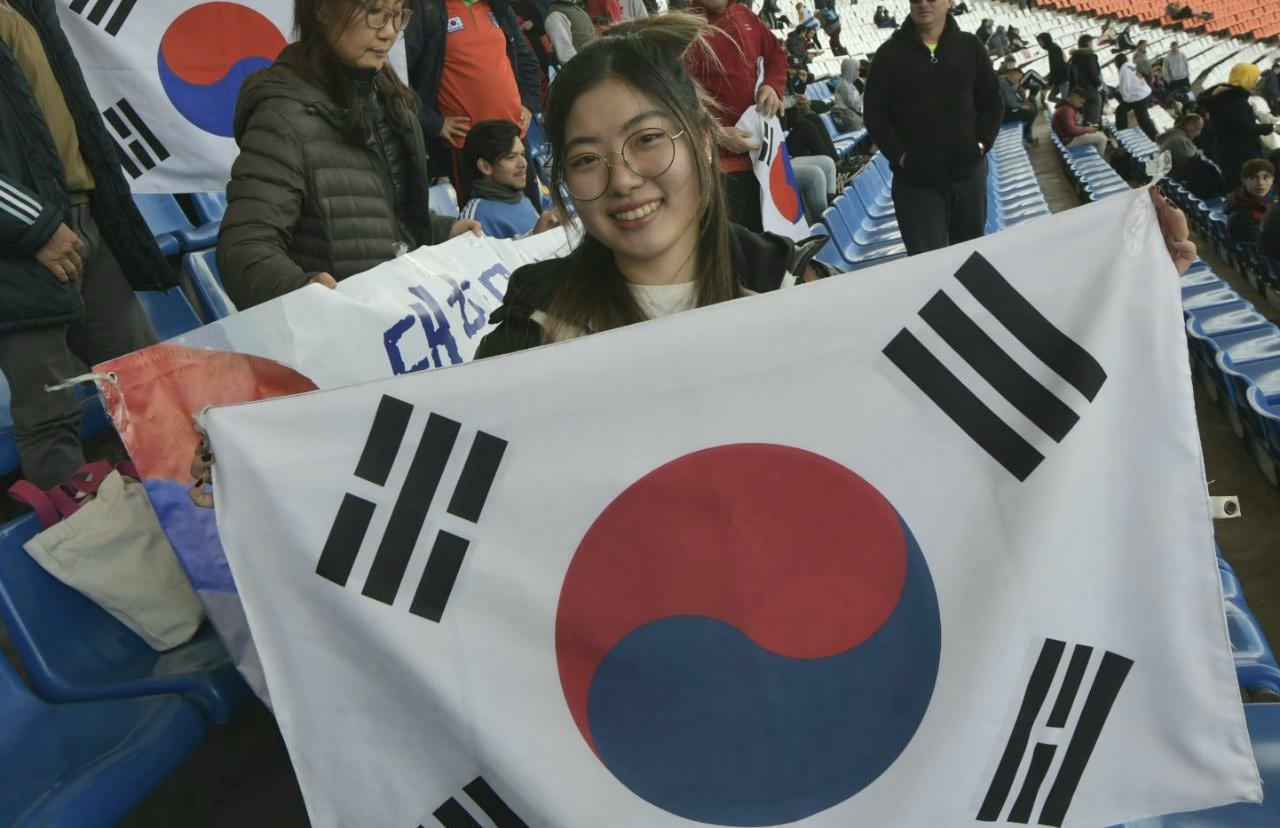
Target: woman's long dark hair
(648,55)
(321,67)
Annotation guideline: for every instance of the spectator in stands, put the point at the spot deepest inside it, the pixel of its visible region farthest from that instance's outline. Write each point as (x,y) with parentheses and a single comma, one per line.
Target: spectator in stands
(1016,43)
(985,30)
(496,170)
(883,19)
(960,8)
(604,13)
(569,28)
(1085,73)
(799,46)
(1071,131)
(634,9)
(846,110)
(1142,62)
(998,43)
(1059,83)
(1246,206)
(73,246)
(634,147)
(459,54)
(1017,109)
(1269,234)
(1271,87)
(830,19)
(1190,166)
(933,107)
(533,20)
(1124,43)
(332,174)
(773,16)
(1135,97)
(725,66)
(1177,72)
(1182,11)
(1109,32)
(1232,131)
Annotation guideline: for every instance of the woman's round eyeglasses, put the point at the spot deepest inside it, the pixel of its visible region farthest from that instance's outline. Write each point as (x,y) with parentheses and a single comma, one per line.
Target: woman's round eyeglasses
(647,152)
(378,17)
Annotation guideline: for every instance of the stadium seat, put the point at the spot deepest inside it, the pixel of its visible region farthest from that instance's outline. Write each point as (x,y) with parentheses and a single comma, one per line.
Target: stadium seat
(202,270)
(443,199)
(171,227)
(74,651)
(1264,731)
(828,254)
(209,207)
(87,764)
(1264,436)
(169,311)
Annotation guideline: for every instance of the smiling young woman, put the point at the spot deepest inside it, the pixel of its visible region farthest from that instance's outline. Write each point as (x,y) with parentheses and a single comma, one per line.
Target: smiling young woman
(634,147)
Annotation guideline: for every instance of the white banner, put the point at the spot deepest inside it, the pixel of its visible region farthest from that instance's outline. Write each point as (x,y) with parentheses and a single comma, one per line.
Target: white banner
(166,75)
(926,547)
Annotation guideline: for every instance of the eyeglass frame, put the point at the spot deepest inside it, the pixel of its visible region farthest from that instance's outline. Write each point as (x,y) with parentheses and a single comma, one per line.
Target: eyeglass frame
(404,15)
(609,164)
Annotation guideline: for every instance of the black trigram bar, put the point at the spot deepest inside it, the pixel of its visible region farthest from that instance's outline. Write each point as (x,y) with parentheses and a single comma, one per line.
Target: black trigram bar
(383,444)
(133,131)
(99,11)
(1052,346)
(1101,696)
(1000,370)
(477,476)
(438,578)
(452,815)
(410,511)
(1005,445)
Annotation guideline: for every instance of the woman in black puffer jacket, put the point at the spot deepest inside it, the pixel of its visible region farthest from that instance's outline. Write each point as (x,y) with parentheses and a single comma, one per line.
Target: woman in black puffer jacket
(332,174)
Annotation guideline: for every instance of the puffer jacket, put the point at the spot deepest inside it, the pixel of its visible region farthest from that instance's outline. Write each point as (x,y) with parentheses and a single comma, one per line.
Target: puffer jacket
(307,196)
(764,262)
(34,188)
(1232,133)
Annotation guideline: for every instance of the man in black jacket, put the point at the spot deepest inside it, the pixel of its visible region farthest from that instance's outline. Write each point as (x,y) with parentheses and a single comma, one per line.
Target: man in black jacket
(1084,72)
(932,105)
(69,234)
(446,43)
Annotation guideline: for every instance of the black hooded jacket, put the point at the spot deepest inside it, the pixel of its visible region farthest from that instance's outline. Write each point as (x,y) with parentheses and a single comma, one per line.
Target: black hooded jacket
(933,109)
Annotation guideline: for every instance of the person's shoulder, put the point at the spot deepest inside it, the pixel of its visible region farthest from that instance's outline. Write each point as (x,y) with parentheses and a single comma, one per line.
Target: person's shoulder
(533,286)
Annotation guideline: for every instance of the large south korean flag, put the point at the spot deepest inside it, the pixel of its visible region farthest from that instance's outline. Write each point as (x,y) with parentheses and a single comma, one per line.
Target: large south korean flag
(924,545)
(166,75)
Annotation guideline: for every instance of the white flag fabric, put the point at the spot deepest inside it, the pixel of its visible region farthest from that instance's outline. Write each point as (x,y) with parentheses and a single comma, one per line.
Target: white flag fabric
(781,210)
(166,75)
(929,545)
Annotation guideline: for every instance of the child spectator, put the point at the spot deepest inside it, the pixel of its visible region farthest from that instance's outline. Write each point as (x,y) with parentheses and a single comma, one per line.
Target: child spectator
(494,163)
(1247,205)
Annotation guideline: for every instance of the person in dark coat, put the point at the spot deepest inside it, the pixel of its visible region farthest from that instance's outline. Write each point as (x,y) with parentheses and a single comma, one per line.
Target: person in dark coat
(1059,82)
(1084,72)
(331,179)
(1232,132)
(1246,206)
(933,107)
(73,247)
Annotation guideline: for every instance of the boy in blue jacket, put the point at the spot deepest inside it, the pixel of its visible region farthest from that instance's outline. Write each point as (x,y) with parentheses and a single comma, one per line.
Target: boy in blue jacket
(494,164)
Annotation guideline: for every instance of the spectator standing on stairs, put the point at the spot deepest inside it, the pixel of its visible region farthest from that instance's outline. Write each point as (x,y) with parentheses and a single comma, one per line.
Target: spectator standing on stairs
(569,28)
(73,246)
(1084,72)
(1059,83)
(1177,73)
(932,105)
(1135,97)
(1232,132)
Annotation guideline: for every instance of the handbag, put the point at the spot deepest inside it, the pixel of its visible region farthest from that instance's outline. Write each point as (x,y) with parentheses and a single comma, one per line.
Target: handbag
(102,539)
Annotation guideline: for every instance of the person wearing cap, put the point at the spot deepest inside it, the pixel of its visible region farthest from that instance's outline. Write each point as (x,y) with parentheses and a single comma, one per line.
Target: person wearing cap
(932,105)
(1232,132)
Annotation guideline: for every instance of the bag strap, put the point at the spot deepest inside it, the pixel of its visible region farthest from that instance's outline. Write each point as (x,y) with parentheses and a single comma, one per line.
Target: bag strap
(26,492)
(89,477)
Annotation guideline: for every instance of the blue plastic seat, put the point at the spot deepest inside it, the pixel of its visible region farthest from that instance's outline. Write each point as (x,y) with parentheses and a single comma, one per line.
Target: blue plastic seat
(1204,296)
(1264,439)
(443,199)
(74,651)
(856,255)
(209,207)
(202,270)
(171,227)
(169,311)
(88,764)
(1264,731)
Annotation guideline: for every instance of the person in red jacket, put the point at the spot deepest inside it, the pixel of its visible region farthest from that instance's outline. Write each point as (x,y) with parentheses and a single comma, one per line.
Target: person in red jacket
(738,40)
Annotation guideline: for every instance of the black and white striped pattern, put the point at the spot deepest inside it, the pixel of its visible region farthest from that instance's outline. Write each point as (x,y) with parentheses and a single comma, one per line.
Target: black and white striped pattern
(1038,376)
(453,814)
(1066,723)
(98,12)
(409,512)
(137,146)
(18,204)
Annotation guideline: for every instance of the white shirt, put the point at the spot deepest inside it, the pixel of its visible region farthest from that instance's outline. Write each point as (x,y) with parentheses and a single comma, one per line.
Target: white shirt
(1132,87)
(560,35)
(657,301)
(633,10)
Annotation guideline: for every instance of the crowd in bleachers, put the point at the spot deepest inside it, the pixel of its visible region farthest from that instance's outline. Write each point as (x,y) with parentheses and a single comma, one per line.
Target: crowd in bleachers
(518,116)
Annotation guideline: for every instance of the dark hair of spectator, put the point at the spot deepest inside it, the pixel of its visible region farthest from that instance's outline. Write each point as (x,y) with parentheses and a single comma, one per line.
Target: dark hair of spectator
(1189,119)
(1254,166)
(488,140)
(1121,60)
(1085,41)
(321,67)
(648,55)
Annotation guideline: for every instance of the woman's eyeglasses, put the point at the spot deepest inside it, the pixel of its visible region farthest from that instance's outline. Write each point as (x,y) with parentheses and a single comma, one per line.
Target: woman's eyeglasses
(648,153)
(378,17)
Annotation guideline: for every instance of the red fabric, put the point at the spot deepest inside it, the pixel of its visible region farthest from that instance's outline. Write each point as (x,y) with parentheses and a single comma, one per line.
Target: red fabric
(738,40)
(475,82)
(607,9)
(1066,123)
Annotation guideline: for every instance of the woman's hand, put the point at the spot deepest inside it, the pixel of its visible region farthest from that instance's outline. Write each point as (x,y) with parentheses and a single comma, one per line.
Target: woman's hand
(324,280)
(455,129)
(735,141)
(767,102)
(1177,236)
(202,473)
(463,225)
(546,221)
